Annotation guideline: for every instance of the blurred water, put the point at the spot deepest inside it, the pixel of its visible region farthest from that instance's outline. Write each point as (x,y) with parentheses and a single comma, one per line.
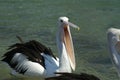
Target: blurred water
(37,19)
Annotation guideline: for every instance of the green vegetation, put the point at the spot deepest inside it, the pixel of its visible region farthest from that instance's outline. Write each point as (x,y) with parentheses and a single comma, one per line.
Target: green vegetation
(37,19)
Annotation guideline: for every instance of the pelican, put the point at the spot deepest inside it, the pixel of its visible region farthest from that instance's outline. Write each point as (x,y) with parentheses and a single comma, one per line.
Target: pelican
(113,36)
(34,59)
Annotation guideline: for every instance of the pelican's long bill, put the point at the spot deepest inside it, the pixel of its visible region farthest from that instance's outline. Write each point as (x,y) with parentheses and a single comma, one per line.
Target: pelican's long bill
(69,44)
(73,25)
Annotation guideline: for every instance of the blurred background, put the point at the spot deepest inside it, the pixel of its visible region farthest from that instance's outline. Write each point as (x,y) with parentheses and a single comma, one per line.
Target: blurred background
(37,19)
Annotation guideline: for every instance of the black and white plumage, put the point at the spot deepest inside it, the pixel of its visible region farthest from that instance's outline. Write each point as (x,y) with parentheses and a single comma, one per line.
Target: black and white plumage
(34,59)
(31,51)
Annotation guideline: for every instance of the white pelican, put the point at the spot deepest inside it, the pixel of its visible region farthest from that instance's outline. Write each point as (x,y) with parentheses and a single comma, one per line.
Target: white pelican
(34,59)
(113,35)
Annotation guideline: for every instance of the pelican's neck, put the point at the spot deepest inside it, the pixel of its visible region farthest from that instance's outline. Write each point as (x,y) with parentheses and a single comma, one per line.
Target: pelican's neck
(64,63)
(111,46)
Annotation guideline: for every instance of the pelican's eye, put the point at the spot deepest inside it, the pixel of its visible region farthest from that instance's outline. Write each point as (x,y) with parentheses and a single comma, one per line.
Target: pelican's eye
(61,20)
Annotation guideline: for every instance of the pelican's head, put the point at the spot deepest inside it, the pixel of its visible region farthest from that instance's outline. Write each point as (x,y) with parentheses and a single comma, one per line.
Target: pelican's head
(114,35)
(64,22)
(63,19)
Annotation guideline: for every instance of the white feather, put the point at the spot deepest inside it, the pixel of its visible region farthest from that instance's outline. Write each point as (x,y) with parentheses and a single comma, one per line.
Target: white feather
(33,68)
(51,65)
